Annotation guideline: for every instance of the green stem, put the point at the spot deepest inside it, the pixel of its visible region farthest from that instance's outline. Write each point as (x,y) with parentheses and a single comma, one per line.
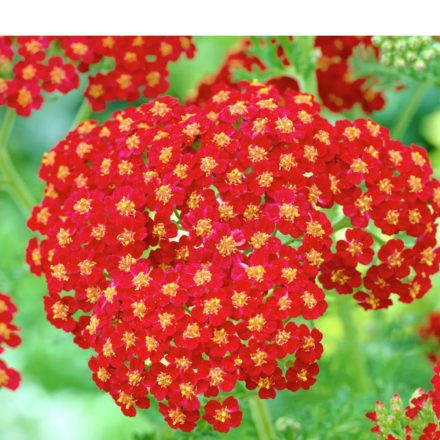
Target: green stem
(379,240)
(311,85)
(13,182)
(410,109)
(83,113)
(308,64)
(358,363)
(176,213)
(7,126)
(343,223)
(262,420)
(290,241)
(302,57)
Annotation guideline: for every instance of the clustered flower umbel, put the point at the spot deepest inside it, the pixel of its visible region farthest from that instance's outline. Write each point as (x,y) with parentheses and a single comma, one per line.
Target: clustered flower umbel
(118,68)
(419,420)
(181,242)
(9,378)
(338,89)
(430,334)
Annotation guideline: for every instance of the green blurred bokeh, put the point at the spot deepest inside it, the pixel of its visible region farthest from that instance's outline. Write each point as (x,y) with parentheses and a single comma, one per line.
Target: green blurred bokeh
(58,400)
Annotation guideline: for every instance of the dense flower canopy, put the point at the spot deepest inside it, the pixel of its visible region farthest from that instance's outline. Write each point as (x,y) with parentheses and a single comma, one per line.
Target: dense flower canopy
(182,241)
(9,378)
(118,68)
(338,88)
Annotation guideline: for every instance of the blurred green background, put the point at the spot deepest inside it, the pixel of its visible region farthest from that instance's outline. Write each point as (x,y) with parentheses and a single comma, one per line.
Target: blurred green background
(58,400)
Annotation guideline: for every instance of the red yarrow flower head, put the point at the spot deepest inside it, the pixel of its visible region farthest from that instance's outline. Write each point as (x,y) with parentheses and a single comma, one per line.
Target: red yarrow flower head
(181,242)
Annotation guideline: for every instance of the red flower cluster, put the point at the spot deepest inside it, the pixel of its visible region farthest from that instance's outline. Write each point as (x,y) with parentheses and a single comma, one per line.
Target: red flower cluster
(387,192)
(9,378)
(188,239)
(430,332)
(120,68)
(167,225)
(418,421)
(338,89)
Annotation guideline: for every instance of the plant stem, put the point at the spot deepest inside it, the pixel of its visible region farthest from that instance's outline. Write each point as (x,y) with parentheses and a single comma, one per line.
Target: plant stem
(290,241)
(262,420)
(358,364)
(343,223)
(83,113)
(302,56)
(400,127)
(7,126)
(311,85)
(308,64)
(13,182)
(379,240)
(176,213)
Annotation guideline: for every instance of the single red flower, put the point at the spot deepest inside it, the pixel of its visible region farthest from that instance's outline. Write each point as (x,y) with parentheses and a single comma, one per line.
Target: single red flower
(223,415)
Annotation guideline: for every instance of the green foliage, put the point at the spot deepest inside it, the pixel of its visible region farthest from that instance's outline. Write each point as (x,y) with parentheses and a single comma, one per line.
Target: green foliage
(299,53)
(364,64)
(401,61)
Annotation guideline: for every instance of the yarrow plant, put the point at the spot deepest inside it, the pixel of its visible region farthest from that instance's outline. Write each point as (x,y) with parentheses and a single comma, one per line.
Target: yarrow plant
(9,378)
(117,68)
(271,58)
(185,287)
(418,420)
(188,245)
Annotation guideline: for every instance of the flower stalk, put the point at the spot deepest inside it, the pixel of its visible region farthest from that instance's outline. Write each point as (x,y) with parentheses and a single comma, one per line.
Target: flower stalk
(308,68)
(343,223)
(358,365)
(262,420)
(302,54)
(83,113)
(12,182)
(410,109)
